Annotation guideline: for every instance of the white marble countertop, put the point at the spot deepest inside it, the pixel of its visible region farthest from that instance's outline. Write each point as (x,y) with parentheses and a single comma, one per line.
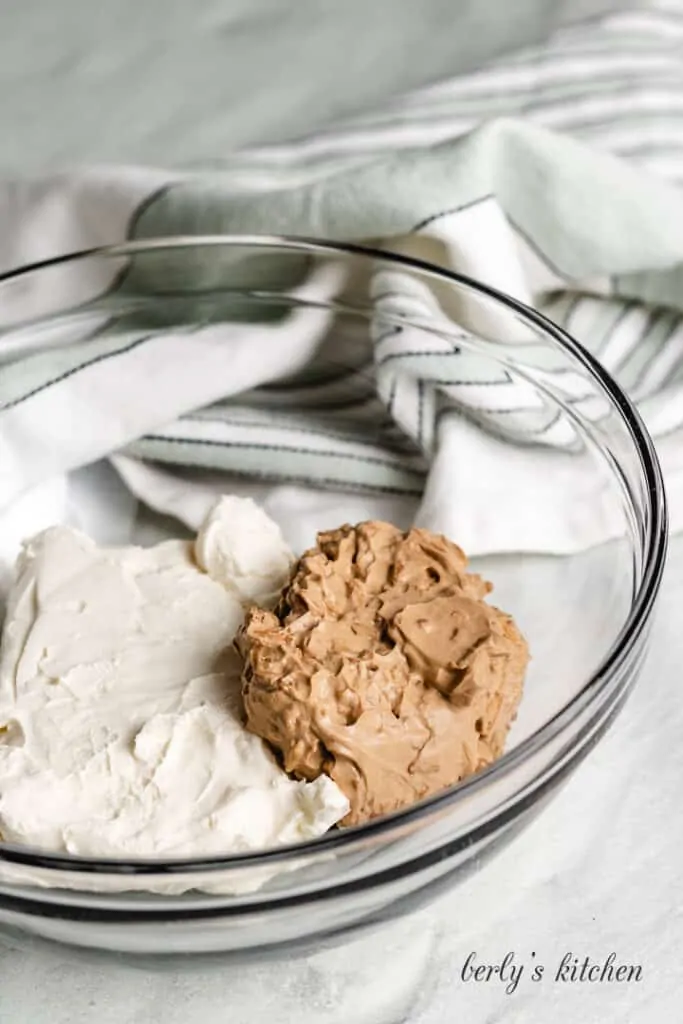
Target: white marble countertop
(599,872)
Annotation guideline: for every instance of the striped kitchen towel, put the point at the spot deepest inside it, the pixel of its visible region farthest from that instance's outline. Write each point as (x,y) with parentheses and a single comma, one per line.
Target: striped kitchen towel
(555,175)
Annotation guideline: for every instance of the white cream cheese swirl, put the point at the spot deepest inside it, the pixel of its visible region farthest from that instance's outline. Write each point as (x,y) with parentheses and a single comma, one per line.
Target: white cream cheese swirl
(120,724)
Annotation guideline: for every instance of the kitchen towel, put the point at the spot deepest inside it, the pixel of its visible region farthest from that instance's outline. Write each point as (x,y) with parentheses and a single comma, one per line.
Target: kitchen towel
(553,175)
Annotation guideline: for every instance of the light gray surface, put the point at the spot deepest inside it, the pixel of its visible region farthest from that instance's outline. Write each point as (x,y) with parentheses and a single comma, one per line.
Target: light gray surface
(169,82)
(600,871)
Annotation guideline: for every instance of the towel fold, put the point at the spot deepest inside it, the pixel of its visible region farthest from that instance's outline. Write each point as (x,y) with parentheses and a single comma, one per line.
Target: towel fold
(453,175)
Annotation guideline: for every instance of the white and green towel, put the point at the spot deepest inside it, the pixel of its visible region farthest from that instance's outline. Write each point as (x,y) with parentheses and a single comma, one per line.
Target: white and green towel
(556,176)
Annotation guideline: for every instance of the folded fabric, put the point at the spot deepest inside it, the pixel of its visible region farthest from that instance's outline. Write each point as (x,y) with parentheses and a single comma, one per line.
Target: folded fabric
(593,240)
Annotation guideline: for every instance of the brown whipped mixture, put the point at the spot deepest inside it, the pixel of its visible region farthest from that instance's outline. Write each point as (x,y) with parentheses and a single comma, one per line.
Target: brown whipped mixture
(383,667)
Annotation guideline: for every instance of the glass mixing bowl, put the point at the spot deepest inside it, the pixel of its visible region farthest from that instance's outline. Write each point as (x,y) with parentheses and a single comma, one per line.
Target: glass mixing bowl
(550,480)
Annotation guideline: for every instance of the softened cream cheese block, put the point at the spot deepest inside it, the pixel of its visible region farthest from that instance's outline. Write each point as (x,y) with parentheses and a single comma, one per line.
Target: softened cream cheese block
(241,547)
(121,728)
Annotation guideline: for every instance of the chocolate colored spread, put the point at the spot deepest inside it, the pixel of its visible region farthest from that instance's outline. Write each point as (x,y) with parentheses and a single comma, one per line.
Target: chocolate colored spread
(383,667)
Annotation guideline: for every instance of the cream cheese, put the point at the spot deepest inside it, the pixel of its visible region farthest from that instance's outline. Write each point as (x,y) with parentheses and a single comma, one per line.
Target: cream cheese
(241,547)
(121,728)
